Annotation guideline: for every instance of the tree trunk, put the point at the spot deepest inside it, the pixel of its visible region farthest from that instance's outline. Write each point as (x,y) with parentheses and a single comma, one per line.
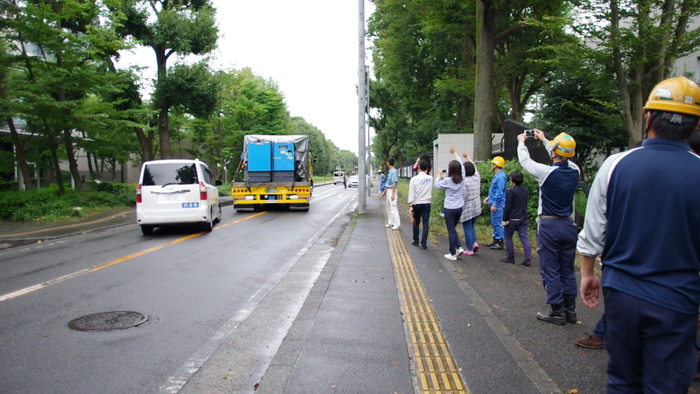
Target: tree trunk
(164,107)
(72,163)
(659,68)
(146,144)
(632,126)
(19,153)
(90,168)
(485,101)
(56,166)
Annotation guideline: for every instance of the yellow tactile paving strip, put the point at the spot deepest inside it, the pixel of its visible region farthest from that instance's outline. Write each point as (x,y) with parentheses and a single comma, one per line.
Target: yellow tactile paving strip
(435,368)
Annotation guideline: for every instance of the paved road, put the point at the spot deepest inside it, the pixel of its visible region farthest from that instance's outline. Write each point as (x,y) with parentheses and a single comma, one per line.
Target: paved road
(195,288)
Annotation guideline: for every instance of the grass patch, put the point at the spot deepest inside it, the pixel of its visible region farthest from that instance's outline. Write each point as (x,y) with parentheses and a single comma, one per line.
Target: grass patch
(47,206)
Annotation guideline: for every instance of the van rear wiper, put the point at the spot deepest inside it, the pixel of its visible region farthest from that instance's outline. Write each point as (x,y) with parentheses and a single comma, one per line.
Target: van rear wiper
(175,183)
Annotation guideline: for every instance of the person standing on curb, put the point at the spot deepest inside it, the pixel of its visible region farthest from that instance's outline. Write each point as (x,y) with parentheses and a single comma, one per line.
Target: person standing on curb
(420,191)
(392,208)
(453,202)
(556,231)
(649,238)
(497,201)
(471,193)
(515,219)
(382,181)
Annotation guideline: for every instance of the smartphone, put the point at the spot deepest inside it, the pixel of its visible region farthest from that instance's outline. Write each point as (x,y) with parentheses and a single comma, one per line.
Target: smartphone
(529,132)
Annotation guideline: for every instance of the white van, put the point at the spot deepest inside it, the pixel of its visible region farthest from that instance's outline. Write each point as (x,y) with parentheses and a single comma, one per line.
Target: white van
(338,177)
(176,191)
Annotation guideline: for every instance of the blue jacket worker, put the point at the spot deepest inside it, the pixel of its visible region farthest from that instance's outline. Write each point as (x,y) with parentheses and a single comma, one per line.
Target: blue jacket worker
(556,231)
(515,219)
(643,218)
(496,200)
(382,181)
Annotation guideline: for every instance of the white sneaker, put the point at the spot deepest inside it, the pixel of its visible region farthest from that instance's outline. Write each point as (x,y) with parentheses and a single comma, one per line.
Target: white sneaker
(460,250)
(388,225)
(450,257)
(396,228)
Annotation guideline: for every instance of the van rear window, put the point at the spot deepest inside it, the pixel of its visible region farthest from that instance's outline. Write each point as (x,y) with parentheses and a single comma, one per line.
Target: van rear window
(170,173)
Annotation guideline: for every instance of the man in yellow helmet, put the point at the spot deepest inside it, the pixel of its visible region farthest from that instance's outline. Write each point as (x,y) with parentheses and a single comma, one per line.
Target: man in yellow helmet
(556,231)
(497,201)
(643,218)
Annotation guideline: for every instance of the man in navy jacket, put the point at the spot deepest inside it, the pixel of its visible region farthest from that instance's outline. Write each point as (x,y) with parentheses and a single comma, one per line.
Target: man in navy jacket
(643,216)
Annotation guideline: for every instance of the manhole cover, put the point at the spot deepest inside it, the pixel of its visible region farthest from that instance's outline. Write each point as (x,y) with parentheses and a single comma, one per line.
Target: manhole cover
(108,321)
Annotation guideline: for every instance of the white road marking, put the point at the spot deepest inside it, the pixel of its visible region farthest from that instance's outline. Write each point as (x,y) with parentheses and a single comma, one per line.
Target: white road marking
(197,360)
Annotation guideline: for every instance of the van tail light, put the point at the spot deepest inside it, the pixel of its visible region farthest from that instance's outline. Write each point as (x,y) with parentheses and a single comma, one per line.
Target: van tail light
(202,191)
(138,194)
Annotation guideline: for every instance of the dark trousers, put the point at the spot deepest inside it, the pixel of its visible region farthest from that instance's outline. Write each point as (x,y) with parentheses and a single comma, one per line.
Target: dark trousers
(521,227)
(651,349)
(599,329)
(556,248)
(451,219)
(421,212)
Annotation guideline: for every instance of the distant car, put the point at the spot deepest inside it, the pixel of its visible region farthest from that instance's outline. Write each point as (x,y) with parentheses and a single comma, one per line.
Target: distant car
(354,181)
(178,191)
(338,177)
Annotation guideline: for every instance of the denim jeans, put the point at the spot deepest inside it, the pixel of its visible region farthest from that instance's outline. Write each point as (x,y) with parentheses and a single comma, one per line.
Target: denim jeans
(469,233)
(451,220)
(421,212)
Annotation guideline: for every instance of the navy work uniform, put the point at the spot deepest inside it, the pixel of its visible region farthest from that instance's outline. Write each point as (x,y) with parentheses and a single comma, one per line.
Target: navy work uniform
(556,231)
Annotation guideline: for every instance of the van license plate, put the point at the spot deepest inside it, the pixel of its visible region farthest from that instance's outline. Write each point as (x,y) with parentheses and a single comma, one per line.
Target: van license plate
(190,205)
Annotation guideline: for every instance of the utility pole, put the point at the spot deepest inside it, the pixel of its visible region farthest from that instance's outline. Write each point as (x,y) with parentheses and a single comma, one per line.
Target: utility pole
(369,140)
(361,108)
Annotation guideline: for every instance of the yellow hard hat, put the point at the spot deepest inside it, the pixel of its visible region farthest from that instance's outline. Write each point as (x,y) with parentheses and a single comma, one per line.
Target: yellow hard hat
(679,95)
(564,145)
(379,171)
(498,161)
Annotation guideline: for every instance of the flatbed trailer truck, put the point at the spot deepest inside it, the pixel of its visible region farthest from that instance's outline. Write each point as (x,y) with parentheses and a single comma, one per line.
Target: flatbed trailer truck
(277,172)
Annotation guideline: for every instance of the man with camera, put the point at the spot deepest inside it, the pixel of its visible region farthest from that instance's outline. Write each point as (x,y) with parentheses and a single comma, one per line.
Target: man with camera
(556,231)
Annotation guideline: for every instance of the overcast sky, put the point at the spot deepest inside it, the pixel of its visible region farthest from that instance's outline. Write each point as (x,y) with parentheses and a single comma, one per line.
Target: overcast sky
(309,47)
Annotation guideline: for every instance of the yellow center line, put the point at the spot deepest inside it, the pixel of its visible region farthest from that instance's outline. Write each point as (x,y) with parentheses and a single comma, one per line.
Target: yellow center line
(85,271)
(433,362)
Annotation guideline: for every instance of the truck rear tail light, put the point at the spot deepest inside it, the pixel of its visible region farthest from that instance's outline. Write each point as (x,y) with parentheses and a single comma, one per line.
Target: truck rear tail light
(202,191)
(138,194)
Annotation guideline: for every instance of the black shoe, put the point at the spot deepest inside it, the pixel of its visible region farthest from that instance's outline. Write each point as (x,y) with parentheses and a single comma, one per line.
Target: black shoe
(570,310)
(490,244)
(556,316)
(526,263)
(498,245)
(424,246)
(510,260)
(414,243)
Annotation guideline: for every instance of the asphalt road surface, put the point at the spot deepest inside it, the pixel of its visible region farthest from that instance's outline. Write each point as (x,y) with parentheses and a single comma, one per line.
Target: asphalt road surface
(194,288)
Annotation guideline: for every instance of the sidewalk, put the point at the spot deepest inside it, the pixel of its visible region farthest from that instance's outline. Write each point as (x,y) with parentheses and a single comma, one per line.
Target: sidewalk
(486,310)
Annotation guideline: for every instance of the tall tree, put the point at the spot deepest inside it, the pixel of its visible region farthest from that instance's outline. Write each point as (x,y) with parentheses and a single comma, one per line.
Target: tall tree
(181,27)
(641,39)
(64,73)
(8,11)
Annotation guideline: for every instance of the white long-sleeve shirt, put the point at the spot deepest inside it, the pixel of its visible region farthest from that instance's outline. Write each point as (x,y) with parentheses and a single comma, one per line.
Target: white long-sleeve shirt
(420,189)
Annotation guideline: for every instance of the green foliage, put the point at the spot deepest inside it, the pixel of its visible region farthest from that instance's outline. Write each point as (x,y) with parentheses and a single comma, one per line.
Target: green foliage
(46,204)
(584,105)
